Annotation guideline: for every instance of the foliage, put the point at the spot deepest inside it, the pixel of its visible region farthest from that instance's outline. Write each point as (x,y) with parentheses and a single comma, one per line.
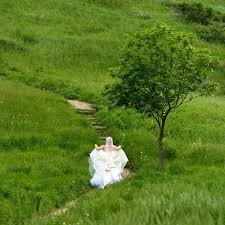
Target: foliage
(158,70)
(125,125)
(211,22)
(196,12)
(191,183)
(41,40)
(212,33)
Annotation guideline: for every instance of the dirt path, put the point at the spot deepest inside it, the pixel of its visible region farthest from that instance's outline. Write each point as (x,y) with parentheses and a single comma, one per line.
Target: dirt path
(89,111)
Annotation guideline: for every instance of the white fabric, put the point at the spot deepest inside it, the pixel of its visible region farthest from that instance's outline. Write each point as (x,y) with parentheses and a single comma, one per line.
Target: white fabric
(106,167)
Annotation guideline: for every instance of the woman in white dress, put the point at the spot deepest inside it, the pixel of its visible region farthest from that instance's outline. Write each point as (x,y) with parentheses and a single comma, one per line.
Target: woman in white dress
(106,164)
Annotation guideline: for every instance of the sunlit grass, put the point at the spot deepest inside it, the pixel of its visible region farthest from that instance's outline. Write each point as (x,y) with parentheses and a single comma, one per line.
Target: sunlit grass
(78,41)
(43,152)
(191,188)
(44,145)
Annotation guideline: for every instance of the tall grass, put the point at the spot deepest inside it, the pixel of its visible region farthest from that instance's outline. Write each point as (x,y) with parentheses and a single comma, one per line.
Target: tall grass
(43,152)
(77,41)
(66,47)
(191,188)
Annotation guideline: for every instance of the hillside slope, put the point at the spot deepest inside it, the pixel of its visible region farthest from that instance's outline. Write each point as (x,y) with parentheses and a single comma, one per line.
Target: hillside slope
(43,153)
(78,41)
(67,47)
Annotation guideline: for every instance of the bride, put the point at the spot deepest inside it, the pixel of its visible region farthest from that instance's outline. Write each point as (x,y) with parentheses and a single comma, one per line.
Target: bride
(106,164)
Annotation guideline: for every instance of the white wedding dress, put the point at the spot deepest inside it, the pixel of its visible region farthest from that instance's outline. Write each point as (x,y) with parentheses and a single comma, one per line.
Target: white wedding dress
(106,167)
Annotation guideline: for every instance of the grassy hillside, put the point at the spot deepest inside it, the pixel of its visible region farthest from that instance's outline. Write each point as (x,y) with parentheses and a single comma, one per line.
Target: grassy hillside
(189,191)
(77,41)
(41,143)
(66,47)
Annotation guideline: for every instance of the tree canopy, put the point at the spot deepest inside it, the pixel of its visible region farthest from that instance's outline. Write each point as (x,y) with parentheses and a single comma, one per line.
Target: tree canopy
(158,71)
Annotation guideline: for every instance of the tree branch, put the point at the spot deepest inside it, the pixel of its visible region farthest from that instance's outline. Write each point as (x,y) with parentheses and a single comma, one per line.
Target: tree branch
(157,120)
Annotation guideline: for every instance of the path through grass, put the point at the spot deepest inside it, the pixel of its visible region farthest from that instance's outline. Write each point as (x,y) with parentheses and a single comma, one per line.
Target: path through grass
(43,157)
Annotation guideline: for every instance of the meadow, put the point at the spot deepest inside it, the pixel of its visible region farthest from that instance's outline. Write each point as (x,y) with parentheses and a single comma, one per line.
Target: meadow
(190,190)
(56,49)
(76,42)
(42,140)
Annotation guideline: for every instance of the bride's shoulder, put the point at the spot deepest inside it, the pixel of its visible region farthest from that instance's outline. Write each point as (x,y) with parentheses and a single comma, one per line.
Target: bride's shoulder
(117,147)
(102,147)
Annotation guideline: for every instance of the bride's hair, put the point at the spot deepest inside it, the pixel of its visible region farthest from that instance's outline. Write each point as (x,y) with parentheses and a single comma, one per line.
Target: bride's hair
(109,143)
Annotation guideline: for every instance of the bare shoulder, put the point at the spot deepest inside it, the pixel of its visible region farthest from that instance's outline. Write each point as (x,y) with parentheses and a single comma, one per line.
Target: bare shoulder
(116,147)
(102,147)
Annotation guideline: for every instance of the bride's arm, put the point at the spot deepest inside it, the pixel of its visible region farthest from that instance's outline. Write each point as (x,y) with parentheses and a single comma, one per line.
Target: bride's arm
(117,147)
(99,147)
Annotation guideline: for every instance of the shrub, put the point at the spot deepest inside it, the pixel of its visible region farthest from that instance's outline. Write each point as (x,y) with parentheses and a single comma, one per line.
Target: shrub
(212,32)
(219,17)
(211,22)
(196,12)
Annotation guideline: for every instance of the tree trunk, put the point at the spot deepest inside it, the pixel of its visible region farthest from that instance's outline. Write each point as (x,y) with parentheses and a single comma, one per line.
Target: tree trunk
(161,133)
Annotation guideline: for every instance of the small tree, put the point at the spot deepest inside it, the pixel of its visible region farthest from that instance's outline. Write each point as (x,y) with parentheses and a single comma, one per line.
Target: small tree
(158,70)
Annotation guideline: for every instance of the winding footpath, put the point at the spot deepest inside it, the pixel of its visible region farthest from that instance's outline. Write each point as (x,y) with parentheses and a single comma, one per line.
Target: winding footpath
(89,112)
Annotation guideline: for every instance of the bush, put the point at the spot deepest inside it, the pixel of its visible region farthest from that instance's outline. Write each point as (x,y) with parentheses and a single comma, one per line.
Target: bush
(196,12)
(212,32)
(219,17)
(211,22)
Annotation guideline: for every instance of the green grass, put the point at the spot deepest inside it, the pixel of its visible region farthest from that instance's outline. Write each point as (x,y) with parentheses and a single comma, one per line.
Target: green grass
(77,41)
(161,199)
(191,188)
(67,47)
(43,157)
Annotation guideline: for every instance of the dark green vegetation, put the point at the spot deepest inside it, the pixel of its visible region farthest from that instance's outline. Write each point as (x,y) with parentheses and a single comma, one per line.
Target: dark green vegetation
(198,13)
(212,22)
(67,45)
(159,70)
